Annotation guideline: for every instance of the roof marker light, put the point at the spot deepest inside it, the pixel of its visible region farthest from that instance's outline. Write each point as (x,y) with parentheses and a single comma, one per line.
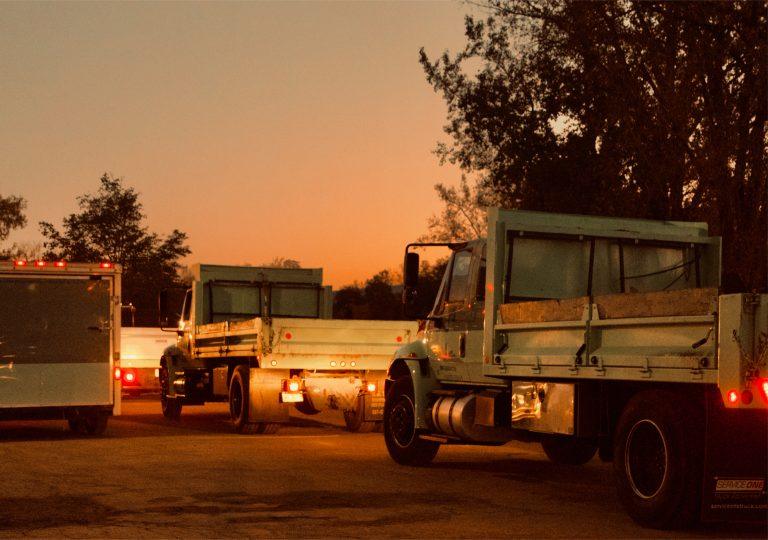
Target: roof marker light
(20,263)
(60,264)
(106,264)
(40,264)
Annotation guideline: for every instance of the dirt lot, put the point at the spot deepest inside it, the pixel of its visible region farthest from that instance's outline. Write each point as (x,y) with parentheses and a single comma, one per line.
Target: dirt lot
(149,478)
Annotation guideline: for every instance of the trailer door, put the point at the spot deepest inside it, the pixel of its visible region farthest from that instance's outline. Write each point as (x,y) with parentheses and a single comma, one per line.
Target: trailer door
(55,336)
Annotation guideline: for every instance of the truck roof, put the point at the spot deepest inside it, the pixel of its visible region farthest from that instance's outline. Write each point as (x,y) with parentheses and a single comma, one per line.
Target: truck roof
(220,272)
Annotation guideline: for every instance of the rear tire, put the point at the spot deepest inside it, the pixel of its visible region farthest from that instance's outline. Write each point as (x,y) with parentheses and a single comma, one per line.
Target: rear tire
(355,418)
(306,406)
(658,460)
(400,433)
(171,407)
(239,406)
(567,450)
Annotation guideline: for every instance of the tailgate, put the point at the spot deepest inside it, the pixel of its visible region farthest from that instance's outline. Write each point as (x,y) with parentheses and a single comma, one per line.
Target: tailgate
(336,344)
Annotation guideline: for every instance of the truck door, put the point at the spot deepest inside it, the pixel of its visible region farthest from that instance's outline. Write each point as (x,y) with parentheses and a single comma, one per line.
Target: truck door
(455,309)
(55,342)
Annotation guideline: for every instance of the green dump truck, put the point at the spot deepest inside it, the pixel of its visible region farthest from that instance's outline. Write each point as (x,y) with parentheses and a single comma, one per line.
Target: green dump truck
(263,340)
(594,335)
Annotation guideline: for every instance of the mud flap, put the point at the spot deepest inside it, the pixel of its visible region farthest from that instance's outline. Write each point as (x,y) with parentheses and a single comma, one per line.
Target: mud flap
(736,463)
(264,390)
(374,407)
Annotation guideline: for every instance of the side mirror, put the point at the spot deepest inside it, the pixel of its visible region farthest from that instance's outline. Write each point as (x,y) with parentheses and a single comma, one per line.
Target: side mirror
(411,270)
(410,284)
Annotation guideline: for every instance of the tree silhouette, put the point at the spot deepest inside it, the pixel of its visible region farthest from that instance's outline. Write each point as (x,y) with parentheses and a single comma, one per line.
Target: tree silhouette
(639,109)
(110,227)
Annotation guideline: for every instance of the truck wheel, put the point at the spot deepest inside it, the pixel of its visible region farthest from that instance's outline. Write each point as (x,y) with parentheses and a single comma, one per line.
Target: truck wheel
(171,407)
(238,406)
(354,418)
(400,434)
(658,460)
(568,450)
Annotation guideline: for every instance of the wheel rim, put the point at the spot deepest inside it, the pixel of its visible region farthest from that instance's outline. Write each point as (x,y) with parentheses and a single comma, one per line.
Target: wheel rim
(402,422)
(646,459)
(236,402)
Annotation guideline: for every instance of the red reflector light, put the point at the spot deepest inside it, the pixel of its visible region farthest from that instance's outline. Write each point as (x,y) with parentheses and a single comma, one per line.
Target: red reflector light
(19,263)
(60,264)
(106,265)
(118,373)
(40,264)
(733,396)
(746,397)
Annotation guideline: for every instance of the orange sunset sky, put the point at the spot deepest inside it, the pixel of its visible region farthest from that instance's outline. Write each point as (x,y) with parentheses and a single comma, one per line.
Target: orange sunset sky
(298,130)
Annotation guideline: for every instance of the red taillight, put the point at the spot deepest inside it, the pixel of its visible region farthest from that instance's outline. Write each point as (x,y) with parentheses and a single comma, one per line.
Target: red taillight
(60,264)
(20,263)
(129,377)
(118,374)
(291,385)
(106,265)
(733,397)
(371,387)
(764,389)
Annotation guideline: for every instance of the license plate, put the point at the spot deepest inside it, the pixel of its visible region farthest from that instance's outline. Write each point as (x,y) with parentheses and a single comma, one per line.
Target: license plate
(288,397)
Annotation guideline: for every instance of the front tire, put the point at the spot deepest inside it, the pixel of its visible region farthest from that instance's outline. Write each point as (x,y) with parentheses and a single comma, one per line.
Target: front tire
(400,433)
(171,407)
(658,460)
(567,450)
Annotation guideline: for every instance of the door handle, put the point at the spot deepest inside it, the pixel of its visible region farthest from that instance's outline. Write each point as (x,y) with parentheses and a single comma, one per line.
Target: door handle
(462,345)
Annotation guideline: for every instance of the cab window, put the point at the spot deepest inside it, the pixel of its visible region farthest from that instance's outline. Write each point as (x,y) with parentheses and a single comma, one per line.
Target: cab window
(457,288)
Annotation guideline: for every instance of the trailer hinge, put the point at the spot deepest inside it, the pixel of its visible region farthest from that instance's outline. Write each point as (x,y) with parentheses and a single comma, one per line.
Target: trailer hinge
(597,362)
(646,369)
(577,359)
(536,367)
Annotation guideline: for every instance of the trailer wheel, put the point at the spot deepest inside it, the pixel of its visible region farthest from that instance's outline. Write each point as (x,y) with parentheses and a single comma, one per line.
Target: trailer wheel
(94,423)
(171,407)
(355,418)
(568,450)
(658,460)
(238,406)
(400,434)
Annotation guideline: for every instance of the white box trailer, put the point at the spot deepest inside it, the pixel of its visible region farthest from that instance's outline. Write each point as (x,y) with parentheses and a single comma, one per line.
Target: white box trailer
(59,342)
(140,352)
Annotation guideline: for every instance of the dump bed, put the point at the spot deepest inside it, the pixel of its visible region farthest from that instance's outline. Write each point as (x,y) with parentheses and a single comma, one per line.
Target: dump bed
(585,297)
(312,344)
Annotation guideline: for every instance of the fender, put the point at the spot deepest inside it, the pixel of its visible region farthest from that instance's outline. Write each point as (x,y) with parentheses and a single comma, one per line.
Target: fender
(413,360)
(171,352)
